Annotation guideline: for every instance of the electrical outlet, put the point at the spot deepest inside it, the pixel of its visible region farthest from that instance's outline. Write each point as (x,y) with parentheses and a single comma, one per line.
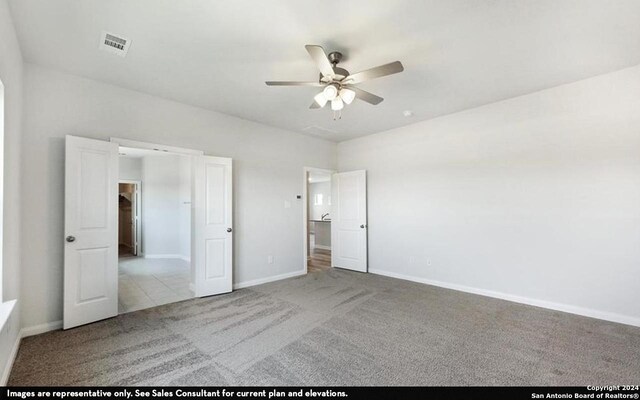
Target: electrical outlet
(428,262)
(412,260)
(269,259)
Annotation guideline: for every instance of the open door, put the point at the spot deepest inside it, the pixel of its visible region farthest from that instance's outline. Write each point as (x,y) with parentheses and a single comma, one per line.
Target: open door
(349,221)
(212,252)
(135,219)
(91,226)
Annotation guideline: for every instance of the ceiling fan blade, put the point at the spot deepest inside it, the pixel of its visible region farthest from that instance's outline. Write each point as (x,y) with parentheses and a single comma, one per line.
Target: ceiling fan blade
(314,105)
(293,83)
(366,96)
(320,58)
(375,72)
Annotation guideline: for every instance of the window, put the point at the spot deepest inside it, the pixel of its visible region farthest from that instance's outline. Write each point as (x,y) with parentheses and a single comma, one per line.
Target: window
(6,307)
(1,181)
(318,199)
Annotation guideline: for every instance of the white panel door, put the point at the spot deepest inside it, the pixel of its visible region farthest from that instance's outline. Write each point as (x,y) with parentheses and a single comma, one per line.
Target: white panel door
(212,224)
(91,231)
(349,221)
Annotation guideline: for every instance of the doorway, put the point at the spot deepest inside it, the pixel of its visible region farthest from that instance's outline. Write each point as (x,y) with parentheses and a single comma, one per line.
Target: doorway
(318,219)
(154,268)
(91,262)
(128,218)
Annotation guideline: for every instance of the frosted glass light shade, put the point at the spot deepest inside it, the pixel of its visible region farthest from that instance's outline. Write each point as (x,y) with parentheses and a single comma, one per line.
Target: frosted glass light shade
(321,99)
(347,95)
(337,104)
(330,92)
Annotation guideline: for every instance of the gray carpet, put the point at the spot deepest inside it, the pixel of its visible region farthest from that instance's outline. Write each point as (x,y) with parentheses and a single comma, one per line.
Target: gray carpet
(336,328)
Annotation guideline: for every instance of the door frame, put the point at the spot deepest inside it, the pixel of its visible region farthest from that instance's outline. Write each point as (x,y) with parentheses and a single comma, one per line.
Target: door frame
(305,210)
(156,147)
(138,221)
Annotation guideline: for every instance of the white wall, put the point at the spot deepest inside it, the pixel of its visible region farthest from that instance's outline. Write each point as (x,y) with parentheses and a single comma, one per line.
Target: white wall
(165,216)
(130,168)
(268,165)
(536,197)
(11,74)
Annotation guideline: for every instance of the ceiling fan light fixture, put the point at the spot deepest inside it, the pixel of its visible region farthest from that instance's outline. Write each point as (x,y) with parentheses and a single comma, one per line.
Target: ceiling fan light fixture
(336,82)
(330,92)
(347,95)
(321,99)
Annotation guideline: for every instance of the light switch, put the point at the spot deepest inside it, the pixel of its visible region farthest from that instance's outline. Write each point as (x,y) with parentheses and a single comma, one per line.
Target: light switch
(287,204)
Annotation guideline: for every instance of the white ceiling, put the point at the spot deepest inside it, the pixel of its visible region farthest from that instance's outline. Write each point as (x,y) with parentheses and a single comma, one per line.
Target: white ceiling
(457,54)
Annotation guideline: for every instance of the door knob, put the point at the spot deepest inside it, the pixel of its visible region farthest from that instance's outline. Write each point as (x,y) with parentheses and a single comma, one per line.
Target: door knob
(229,229)
(70,239)
(363,226)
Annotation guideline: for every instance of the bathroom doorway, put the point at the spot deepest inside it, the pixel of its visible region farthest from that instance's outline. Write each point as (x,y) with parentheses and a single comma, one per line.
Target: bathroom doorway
(318,219)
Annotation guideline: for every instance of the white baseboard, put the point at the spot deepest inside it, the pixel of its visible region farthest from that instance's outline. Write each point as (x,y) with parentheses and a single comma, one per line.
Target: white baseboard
(172,256)
(260,281)
(323,247)
(42,328)
(192,287)
(585,312)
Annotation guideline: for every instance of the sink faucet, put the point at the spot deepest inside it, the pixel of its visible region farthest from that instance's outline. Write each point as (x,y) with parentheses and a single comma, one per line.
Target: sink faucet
(324,216)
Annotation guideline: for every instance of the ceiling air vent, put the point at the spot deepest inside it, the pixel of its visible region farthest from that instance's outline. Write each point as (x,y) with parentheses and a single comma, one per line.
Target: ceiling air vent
(114,43)
(318,130)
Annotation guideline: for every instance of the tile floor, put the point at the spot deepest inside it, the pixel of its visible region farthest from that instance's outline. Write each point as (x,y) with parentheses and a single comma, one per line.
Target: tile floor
(145,283)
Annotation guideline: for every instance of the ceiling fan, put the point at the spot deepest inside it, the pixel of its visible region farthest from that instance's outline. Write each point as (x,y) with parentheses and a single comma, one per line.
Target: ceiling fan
(338,83)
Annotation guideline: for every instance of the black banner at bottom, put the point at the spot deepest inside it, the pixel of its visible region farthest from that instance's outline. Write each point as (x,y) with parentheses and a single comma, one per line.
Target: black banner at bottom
(438,392)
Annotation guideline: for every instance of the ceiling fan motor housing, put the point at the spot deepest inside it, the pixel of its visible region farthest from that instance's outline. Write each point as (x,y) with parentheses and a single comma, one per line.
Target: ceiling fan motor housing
(334,57)
(341,73)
